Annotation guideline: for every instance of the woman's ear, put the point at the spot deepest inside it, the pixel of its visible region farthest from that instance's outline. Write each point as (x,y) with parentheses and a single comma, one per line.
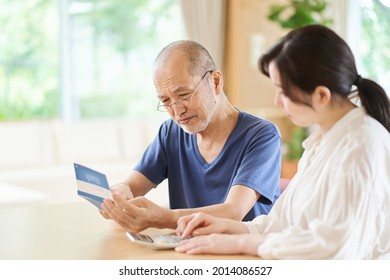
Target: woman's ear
(322,95)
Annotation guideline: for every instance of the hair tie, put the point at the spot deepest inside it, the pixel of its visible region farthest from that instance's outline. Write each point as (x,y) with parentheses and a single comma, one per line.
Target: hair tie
(357,80)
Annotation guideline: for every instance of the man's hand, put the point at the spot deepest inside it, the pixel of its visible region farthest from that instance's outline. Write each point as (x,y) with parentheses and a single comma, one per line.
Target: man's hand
(121,190)
(137,214)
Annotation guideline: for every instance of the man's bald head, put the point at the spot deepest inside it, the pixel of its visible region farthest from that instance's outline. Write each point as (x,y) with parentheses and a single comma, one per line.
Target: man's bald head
(194,57)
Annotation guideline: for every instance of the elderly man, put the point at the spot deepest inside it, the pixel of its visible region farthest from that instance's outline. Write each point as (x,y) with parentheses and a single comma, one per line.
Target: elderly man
(217,159)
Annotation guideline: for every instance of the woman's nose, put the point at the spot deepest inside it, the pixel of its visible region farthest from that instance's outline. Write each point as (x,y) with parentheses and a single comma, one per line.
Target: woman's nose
(278,100)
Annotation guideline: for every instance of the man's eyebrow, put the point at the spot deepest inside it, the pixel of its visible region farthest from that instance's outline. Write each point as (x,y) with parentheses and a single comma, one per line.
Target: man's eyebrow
(176,91)
(180,89)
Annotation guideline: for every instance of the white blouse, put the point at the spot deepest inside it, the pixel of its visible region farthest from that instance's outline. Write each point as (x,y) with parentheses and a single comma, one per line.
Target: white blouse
(337,206)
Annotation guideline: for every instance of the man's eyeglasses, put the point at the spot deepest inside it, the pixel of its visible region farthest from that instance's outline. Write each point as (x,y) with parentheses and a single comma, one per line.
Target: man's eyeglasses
(183,102)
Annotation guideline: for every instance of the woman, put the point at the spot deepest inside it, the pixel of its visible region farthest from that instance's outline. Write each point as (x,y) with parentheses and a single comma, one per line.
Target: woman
(337,206)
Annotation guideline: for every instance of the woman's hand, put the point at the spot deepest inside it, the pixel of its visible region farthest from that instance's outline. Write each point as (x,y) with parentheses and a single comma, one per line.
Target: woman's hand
(222,244)
(200,224)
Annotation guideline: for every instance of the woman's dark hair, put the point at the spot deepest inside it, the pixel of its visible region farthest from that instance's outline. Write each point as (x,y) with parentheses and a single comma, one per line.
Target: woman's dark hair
(314,55)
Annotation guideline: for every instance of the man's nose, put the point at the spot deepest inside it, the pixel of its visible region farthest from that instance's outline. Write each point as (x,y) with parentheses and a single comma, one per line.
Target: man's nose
(178,109)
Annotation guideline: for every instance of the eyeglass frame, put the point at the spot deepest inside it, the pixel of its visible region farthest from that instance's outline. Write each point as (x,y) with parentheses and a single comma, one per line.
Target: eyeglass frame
(164,107)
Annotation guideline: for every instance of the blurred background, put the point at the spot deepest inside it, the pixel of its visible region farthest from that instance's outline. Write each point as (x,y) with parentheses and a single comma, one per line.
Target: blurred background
(76,75)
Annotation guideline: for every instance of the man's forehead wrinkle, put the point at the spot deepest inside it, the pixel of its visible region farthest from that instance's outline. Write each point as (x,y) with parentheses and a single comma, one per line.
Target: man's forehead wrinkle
(170,86)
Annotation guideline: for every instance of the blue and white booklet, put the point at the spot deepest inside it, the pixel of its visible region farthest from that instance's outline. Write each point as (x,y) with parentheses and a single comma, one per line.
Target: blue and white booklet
(92,185)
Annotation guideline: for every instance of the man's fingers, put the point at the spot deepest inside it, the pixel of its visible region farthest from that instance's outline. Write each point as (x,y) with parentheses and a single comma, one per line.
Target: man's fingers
(104,214)
(129,206)
(125,218)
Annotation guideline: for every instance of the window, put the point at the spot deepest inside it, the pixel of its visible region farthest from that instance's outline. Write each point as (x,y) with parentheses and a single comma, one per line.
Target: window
(112,47)
(82,58)
(374,47)
(29,64)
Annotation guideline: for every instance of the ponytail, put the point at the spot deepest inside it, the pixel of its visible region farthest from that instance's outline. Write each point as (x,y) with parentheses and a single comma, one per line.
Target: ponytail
(374,100)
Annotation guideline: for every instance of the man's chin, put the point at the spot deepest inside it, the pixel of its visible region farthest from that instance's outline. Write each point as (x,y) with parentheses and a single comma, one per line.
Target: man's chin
(188,130)
(191,128)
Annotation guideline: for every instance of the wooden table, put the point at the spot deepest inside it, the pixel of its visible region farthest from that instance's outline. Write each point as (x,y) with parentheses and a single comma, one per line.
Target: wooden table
(74,231)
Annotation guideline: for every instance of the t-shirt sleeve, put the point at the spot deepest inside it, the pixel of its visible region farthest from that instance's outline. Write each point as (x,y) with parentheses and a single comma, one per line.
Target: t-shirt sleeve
(153,163)
(260,166)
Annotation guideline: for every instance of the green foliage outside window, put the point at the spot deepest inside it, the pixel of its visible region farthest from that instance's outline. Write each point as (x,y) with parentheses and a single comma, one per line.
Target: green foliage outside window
(375,47)
(298,13)
(29,86)
(129,24)
(131,30)
(126,30)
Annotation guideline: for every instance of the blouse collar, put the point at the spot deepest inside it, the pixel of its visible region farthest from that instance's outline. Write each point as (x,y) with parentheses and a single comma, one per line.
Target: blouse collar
(316,138)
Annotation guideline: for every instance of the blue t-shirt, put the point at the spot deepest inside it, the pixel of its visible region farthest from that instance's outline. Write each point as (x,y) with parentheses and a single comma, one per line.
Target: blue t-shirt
(251,157)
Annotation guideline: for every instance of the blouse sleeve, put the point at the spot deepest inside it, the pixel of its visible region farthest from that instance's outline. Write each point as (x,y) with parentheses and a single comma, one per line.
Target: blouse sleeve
(344,221)
(267,223)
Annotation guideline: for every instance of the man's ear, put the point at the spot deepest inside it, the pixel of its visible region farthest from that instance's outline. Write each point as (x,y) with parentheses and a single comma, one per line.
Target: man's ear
(217,81)
(321,95)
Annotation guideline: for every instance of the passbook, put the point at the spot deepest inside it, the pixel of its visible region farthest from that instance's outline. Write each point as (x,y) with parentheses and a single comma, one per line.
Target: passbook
(92,185)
